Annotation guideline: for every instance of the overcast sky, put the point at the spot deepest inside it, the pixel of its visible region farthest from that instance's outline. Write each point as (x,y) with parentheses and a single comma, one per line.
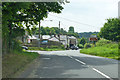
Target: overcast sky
(84,15)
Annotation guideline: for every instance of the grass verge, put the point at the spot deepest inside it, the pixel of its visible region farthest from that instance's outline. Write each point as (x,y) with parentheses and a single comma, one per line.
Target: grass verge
(15,62)
(107,50)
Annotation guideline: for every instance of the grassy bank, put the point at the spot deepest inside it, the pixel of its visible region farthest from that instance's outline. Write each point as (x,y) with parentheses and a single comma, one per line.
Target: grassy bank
(46,49)
(109,50)
(15,62)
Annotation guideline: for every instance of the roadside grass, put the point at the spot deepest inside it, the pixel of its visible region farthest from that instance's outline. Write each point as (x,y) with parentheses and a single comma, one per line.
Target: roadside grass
(45,49)
(15,62)
(107,50)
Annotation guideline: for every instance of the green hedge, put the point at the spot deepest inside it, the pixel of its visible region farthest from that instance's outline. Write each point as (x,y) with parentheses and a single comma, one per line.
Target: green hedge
(50,48)
(80,46)
(87,45)
(102,42)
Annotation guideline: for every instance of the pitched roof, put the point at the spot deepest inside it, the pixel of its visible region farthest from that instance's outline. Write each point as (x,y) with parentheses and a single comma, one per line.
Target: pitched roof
(54,39)
(32,37)
(46,37)
(71,37)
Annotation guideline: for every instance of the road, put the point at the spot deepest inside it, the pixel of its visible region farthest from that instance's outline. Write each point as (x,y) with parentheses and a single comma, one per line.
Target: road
(71,64)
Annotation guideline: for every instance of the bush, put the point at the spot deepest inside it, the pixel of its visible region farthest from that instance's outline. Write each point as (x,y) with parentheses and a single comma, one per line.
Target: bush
(80,46)
(57,47)
(102,42)
(54,46)
(62,46)
(87,45)
(92,45)
(16,45)
(82,41)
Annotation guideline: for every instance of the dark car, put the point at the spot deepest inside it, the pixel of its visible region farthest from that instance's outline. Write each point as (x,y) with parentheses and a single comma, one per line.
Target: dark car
(24,47)
(74,48)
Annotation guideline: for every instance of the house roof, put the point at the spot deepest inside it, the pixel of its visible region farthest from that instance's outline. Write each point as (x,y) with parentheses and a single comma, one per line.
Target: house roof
(32,37)
(54,39)
(43,36)
(46,37)
(71,37)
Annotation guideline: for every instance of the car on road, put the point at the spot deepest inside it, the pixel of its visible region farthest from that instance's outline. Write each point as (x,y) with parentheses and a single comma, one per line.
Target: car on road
(24,47)
(74,48)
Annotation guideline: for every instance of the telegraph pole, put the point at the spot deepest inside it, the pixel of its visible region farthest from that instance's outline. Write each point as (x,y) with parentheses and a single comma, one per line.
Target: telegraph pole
(39,35)
(59,32)
(39,30)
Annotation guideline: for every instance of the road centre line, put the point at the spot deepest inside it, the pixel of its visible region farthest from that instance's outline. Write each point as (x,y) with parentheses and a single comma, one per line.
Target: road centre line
(70,56)
(77,60)
(102,74)
(93,69)
(80,61)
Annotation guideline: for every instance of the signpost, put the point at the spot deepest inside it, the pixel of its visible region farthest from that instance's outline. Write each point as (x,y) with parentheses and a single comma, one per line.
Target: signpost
(28,40)
(93,38)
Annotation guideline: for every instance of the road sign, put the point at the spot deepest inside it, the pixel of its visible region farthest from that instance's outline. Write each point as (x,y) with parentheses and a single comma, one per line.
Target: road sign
(28,40)
(93,39)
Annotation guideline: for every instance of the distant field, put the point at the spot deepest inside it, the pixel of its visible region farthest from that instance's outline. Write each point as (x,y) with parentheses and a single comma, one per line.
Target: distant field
(109,50)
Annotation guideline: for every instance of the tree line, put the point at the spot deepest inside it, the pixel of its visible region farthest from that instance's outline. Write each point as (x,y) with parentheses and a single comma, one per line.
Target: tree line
(54,31)
(87,34)
(109,31)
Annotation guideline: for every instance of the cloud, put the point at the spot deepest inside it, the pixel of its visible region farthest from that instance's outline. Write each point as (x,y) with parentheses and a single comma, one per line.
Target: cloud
(92,12)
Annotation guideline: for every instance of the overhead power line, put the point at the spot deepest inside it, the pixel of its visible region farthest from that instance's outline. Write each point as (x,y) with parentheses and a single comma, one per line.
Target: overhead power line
(73,21)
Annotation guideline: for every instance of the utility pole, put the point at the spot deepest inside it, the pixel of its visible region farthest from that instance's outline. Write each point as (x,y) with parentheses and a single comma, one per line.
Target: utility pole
(39,36)
(59,32)
(39,30)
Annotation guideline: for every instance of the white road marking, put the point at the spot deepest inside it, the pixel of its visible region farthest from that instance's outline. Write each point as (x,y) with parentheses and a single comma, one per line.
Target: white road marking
(94,69)
(102,74)
(80,61)
(70,57)
(45,58)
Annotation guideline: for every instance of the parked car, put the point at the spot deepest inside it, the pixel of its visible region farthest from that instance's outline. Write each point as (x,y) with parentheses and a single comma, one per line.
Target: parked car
(74,48)
(24,47)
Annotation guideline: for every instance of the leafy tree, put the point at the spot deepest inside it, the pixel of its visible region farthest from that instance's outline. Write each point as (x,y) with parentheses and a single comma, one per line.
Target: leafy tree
(43,31)
(73,34)
(57,30)
(62,31)
(29,13)
(111,29)
(71,29)
(87,34)
(52,31)
(82,41)
(47,30)
(34,29)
